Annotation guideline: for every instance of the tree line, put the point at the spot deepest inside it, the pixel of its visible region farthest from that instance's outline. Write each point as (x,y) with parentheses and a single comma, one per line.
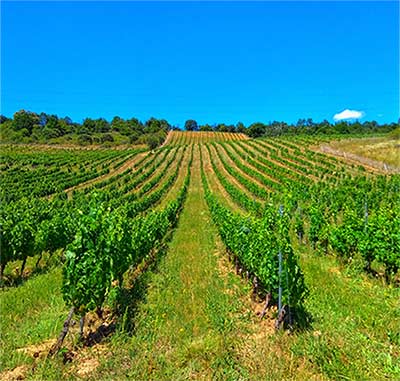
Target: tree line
(31,127)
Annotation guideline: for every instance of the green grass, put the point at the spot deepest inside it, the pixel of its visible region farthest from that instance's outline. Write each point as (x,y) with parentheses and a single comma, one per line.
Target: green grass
(190,317)
(382,149)
(356,327)
(30,314)
(34,266)
(186,326)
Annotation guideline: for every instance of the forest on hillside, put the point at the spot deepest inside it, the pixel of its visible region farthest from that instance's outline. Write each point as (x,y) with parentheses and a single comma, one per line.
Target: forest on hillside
(31,127)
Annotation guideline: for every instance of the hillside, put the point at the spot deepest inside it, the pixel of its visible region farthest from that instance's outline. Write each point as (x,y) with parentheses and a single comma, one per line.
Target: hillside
(170,256)
(382,153)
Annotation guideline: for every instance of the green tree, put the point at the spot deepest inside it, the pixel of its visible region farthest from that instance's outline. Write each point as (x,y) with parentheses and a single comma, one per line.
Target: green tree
(101,125)
(221,127)
(154,125)
(135,124)
(117,124)
(191,125)
(152,141)
(256,130)
(84,139)
(88,126)
(106,138)
(206,127)
(3,119)
(240,127)
(25,120)
(231,128)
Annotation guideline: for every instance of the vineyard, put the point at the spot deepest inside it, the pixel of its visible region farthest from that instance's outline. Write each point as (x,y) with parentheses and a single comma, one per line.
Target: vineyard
(194,137)
(214,256)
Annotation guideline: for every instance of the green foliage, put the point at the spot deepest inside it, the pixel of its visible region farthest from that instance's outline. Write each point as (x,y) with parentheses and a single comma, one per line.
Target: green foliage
(256,130)
(153,140)
(332,210)
(395,134)
(85,139)
(256,244)
(28,127)
(87,271)
(25,120)
(191,125)
(357,219)
(107,138)
(205,127)
(106,244)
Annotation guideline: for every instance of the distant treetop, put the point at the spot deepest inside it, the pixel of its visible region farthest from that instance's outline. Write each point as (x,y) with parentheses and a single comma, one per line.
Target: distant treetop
(30,127)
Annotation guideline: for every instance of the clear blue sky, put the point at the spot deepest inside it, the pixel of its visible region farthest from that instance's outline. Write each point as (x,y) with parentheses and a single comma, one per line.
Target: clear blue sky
(213,62)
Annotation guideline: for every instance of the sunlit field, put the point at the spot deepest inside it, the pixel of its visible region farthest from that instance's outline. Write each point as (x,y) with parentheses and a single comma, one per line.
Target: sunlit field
(199,297)
(384,150)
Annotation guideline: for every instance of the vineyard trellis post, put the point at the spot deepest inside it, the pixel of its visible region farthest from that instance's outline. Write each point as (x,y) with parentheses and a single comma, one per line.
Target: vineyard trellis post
(365,214)
(280,277)
(280,282)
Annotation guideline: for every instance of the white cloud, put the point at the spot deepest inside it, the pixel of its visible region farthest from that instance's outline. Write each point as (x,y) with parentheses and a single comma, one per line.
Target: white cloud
(348,114)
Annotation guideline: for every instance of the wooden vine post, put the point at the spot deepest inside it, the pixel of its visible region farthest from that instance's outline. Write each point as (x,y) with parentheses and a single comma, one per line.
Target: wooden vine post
(281,311)
(56,347)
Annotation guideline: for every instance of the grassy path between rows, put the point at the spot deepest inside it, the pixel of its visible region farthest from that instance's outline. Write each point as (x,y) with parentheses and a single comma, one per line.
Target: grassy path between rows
(186,326)
(191,318)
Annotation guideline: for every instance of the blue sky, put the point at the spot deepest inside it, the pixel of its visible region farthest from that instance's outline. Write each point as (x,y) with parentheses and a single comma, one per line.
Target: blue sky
(213,61)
